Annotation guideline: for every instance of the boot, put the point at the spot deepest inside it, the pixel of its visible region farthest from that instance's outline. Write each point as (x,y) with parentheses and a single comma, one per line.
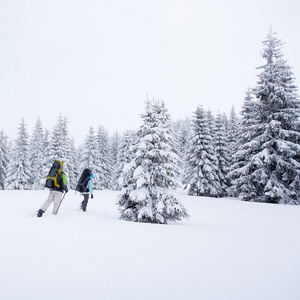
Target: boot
(40,213)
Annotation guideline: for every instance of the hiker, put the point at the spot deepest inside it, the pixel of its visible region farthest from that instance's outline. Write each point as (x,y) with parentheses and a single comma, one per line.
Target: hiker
(87,193)
(85,187)
(57,182)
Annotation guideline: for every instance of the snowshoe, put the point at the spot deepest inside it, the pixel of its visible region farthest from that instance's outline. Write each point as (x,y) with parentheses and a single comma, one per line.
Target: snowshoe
(39,213)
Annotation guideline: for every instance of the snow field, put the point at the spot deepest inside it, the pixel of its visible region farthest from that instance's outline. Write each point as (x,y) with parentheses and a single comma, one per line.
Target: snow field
(229,249)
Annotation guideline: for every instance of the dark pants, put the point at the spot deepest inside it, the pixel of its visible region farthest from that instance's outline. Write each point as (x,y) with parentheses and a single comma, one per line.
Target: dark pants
(85,201)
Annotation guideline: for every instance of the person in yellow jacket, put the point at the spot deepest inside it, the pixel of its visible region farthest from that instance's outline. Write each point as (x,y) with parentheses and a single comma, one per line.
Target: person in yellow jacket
(55,195)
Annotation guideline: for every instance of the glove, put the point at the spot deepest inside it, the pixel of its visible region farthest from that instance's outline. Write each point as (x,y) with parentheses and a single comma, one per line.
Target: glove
(92,196)
(66,190)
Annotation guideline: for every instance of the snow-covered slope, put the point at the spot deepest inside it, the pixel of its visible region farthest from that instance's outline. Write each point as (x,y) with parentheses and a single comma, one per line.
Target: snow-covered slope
(229,249)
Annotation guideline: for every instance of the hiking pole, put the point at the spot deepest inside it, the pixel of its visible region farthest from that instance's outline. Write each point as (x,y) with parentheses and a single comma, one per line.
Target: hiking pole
(60,202)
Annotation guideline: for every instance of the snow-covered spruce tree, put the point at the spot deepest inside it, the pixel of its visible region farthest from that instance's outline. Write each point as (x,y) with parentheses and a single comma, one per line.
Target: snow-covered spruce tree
(150,178)
(125,156)
(37,157)
(226,124)
(103,160)
(59,147)
(182,135)
(89,151)
(233,132)
(210,123)
(89,157)
(69,157)
(201,176)
(4,158)
(78,157)
(73,164)
(222,154)
(46,146)
(114,153)
(19,171)
(273,169)
(248,119)
(239,182)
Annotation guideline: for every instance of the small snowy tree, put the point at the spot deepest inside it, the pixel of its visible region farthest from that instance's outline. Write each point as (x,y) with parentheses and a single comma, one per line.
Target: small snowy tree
(37,157)
(210,121)
(114,153)
(19,171)
(46,162)
(248,113)
(150,178)
(222,154)
(57,146)
(103,160)
(60,146)
(226,124)
(182,135)
(4,158)
(73,164)
(89,153)
(233,132)
(125,156)
(201,174)
(89,157)
(239,182)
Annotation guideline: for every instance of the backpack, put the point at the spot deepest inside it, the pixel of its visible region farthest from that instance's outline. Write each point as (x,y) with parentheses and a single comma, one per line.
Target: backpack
(83,181)
(54,177)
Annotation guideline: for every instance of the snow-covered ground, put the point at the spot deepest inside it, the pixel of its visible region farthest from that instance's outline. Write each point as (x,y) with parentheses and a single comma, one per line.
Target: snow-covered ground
(229,249)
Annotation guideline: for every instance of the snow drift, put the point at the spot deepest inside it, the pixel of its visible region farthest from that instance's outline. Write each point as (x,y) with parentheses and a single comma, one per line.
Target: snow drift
(228,249)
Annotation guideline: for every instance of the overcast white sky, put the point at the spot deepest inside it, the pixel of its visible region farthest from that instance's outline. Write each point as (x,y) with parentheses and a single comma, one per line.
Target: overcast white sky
(96,61)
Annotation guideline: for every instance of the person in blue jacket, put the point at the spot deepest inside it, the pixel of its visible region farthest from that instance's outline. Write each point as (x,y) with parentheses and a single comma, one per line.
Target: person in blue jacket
(87,193)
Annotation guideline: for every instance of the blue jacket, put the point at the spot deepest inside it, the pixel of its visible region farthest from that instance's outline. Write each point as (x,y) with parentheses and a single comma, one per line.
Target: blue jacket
(90,186)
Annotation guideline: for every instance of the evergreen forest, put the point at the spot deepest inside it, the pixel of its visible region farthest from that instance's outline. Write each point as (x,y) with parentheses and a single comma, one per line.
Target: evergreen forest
(253,154)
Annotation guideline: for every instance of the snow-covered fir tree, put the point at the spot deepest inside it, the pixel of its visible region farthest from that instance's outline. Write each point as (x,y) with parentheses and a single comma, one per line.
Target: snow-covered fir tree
(89,157)
(201,174)
(46,141)
(89,152)
(46,146)
(182,134)
(210,123)
(222,154)
(19,171)
(233,131)
(37,157)
(69,154)
(150,178)
(241,157)
(59,147)
(248,118)
(272,171)
(125,156)
(73,164)
(103,160)
(4,158)
(114,153)
(226,125)
(78,159)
